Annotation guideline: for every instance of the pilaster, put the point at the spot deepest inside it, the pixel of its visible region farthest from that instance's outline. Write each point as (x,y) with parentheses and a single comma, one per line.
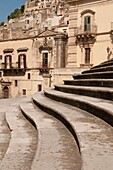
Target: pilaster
(72,49)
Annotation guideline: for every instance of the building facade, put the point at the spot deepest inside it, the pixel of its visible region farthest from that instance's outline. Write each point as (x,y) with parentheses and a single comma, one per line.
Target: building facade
(90,32)
(52,41)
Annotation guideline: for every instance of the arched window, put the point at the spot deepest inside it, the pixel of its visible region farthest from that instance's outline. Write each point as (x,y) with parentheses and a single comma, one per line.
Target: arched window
(88,21)
(22,61)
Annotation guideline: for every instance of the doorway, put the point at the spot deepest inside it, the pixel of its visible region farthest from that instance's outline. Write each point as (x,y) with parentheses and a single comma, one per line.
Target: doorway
(5,92)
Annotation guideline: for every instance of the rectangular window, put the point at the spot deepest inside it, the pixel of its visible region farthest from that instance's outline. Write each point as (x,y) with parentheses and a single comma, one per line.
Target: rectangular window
(29,76)
(0,57)
(87,23)
(87,55)
(16,83)
(45,60)
(24,92)
(39,87)
(8,61)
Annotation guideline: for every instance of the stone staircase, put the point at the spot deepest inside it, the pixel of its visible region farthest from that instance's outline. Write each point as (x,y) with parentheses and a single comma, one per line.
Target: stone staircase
(68,127)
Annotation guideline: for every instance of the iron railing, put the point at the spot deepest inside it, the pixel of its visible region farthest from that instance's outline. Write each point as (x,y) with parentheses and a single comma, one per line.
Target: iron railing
(92,29)
(11,66)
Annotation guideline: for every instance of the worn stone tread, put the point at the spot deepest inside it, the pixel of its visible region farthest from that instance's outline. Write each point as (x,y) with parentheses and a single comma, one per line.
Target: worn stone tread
(100,107)
(90,82)
(103,89)
(95,75)
(97,92)
(4,135)
(95,136)
(56,147)
(20,152)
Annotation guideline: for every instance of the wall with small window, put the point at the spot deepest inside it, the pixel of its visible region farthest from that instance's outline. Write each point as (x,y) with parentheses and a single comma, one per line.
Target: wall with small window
(87,21)
(91,19)
(100,8)
(39,87)
(16,83)
(28,76)
(22,60)
(8,60)
(0,57)
(11,50)
(24,92)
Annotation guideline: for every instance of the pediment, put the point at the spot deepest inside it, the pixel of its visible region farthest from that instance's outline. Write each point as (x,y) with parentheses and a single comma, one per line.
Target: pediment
(48,33)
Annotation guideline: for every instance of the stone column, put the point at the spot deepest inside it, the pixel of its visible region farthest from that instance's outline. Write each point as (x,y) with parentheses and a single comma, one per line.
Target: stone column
(60,42)
(72,49)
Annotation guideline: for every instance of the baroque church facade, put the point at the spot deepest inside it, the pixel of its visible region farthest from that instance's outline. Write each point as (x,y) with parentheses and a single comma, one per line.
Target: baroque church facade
(52,41)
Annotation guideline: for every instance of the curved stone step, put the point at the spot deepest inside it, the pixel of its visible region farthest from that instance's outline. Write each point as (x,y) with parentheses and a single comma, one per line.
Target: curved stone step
(99,69)
(98,92)
(98,75)
(99,107)
(20,152)
(56,146)
(95,136)
(4,135)
(90,82)
(105,63)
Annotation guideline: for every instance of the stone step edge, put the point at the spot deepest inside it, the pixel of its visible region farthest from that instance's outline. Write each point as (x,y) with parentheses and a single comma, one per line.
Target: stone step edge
(90,82)
(75,80)
(10,130)
(100,92)
(8,124)
(32,121)
(99,69)
(28,117)
(105,63)
(75,76)
(100,112)
(58,116)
